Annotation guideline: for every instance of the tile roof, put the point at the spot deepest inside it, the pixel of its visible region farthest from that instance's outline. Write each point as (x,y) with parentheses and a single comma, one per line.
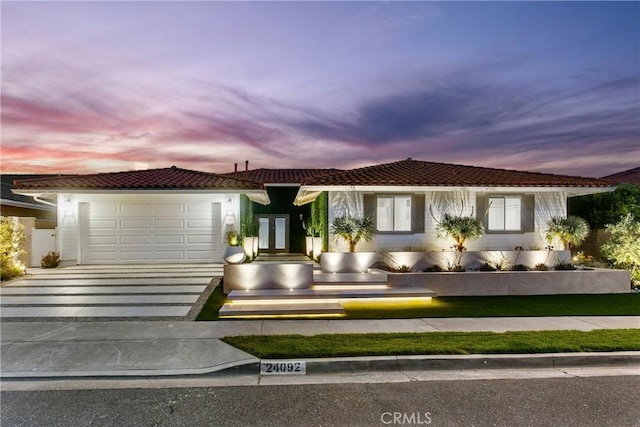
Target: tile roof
(631,176)
(172,178)
(282,176)
(418,173)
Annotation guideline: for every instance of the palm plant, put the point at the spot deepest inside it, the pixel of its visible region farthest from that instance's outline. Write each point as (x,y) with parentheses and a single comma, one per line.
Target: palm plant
(352,230)
(460,229)
(571,230)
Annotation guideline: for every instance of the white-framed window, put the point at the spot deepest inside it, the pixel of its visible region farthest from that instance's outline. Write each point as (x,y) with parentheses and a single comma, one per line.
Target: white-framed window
(505,213)
(393,213)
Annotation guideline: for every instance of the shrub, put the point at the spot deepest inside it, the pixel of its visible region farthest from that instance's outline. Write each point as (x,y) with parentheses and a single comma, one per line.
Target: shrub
(541,267)
(457,269)
(11,236)
(233,239)
(352,230)
(564,266)
(486,267)
(572,230)
(623,248)
(519,267)
(435,268)
(50,260)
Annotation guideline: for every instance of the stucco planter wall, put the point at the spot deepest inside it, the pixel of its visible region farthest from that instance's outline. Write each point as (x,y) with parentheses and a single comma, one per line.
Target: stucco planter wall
(357,262)
(479,283)
(267,276)
(347,262)
(473,259)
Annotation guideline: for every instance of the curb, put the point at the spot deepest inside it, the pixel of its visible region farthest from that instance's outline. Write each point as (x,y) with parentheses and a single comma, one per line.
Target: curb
(465,362)
(362,364)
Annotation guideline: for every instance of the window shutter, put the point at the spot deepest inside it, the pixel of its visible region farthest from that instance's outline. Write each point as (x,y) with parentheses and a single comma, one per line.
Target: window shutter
(481,210)
(528,213)
(417,213)
(369,205)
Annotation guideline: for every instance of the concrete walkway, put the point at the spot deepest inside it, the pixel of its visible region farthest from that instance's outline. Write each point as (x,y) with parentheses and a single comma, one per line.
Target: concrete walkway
(163,348)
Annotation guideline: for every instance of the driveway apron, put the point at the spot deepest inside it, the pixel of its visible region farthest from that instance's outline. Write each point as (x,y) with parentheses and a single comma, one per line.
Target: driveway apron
(118,292)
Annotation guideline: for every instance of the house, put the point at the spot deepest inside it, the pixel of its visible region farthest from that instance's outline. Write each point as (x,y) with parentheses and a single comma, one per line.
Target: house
(18,205)
(630,176)
(281,224)
(406,198)
(168,215)
(176,215)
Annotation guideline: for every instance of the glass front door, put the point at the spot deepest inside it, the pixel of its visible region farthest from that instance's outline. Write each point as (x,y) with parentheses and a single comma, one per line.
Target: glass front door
(273,233)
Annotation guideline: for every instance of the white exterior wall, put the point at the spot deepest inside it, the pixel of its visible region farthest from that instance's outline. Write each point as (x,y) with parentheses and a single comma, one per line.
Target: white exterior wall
(547,205)
(69,215)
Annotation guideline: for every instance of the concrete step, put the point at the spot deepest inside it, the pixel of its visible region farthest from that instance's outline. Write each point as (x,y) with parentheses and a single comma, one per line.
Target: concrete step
(298,309)
(332,293)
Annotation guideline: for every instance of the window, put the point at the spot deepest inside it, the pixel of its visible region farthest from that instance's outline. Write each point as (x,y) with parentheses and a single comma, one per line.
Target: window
(393,213)
(505,213)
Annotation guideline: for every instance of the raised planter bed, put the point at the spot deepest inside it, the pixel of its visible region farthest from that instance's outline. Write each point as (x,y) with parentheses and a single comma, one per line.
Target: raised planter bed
(478,283)
(267,276)
(347,262)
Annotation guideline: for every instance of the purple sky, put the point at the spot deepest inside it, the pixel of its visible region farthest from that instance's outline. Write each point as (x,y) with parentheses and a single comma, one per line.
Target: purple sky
(108,86)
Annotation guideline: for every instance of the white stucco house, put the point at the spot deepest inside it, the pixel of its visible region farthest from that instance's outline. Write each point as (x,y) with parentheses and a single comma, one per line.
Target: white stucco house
(406,198)
(168,215)
(175,215)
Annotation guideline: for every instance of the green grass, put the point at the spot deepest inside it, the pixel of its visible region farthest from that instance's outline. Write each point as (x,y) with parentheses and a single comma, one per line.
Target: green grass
(352,345)
(502,306)
(213,304)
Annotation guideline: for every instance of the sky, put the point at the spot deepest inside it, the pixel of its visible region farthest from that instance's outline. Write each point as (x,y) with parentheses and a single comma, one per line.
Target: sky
(110,86)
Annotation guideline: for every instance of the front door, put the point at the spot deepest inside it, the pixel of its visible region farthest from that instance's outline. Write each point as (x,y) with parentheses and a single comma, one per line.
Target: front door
(273,233)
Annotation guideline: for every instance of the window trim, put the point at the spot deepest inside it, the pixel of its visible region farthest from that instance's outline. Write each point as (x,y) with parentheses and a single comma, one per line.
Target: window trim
(393,197)
(503,196)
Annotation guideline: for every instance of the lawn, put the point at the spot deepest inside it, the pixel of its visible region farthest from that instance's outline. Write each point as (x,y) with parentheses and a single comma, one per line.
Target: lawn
(434,343)
(500,306)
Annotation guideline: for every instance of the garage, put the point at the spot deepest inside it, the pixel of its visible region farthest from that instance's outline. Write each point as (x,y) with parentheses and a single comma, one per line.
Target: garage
(155,216)
(161,231)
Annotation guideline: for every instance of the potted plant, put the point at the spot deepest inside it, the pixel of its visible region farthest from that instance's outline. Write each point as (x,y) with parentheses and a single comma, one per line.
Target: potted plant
(571,230)
(234,253)
(352,230)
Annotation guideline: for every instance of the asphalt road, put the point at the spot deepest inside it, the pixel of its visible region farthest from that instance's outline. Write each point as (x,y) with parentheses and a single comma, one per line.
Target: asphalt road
(592,401)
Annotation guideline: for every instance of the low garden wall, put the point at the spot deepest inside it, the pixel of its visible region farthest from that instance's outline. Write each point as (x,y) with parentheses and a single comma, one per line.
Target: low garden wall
(267,276)
(358,262)
(479,283)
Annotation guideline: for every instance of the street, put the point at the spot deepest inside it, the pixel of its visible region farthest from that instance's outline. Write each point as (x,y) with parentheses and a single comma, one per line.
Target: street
(572,401)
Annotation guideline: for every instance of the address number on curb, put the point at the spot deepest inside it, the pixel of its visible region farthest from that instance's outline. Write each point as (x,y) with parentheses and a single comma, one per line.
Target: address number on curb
(283,368)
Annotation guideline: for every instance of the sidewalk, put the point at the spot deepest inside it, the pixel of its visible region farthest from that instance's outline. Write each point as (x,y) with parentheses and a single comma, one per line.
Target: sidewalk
(148,348)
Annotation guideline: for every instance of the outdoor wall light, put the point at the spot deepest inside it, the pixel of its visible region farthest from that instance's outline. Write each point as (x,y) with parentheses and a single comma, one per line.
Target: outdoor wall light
(67,205)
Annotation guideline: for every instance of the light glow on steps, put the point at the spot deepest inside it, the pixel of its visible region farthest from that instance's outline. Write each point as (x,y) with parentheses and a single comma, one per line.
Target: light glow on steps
(281,316)
(377,300)
(348,287)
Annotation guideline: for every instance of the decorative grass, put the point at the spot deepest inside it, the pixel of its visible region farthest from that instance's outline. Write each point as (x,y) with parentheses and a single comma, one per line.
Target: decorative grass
(436,343)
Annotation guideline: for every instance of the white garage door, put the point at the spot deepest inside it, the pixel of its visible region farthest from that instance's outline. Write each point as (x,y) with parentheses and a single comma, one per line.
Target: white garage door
(150,232)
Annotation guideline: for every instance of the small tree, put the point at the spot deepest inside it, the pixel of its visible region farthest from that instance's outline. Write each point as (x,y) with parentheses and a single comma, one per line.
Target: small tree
(460,229)
(623,248)
(11,236)
(352,230)
(571,231)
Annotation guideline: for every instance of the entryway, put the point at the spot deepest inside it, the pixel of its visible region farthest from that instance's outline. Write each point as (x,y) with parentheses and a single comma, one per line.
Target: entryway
(273,233)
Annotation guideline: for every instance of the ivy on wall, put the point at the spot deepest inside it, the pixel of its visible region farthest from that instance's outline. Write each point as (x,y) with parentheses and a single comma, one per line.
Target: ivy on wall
(247,221)
(320,218)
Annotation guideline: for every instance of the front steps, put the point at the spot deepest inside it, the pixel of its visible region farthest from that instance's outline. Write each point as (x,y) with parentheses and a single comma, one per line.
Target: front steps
(320,300)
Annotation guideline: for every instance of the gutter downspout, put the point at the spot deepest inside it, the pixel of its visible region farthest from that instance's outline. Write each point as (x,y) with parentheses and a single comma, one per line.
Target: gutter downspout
(37,199)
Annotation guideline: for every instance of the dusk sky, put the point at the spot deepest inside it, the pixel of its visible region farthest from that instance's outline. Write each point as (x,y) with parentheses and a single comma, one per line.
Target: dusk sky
(110,86)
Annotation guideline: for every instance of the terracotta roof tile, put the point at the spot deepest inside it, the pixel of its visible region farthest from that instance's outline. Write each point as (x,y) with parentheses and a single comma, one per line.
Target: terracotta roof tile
(631,176)
(172,178)
(282,176)
(418,173)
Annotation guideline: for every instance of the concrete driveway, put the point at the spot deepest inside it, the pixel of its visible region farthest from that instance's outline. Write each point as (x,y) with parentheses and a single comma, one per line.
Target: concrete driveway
(143,292)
